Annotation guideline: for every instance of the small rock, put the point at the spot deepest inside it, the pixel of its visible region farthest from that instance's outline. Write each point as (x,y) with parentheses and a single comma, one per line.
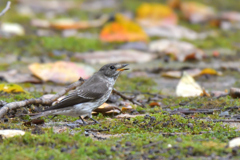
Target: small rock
(128,144)
(86,133)
(190,125)
(101,151)
(179,139)
(113,149)
(147,116)
(152,118)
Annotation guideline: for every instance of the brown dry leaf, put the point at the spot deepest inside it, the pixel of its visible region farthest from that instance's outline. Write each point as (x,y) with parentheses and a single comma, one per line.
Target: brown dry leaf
(181,51)
(34,121)
(174,3)
(196,12)
(234,92)
(187,87)
(155,14)
(153,104)
(61,72)
(122,30)
(106,109)
(115,56)
(13,76)
(205,93)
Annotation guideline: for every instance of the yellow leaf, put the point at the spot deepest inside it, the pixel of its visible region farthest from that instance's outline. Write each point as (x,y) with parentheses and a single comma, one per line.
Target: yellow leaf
(155,14)
(122,30)
(11,88)
(210,71)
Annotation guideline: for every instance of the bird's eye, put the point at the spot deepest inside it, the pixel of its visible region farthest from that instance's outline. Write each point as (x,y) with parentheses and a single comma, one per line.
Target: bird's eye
(112,67)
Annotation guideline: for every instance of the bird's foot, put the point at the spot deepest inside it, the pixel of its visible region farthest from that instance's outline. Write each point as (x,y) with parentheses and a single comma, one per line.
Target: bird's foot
(95,120)
(79,121)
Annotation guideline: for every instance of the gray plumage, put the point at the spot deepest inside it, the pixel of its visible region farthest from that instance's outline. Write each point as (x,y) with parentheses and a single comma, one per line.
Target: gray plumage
(89,96)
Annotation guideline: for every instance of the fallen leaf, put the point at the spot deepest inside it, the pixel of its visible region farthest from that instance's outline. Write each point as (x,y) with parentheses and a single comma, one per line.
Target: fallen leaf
(34,121)
(218,93)
(235,142)
(231,16)
(176,32)
(57,129)
(210,71)
(61,72)
(13,76)
(192,72)
(187,87)
(178,74)
(205,93)
(234,92)
(174,3)
(196,12)
(8,133)
(63,24)
(181,51)
(155,14)
(115,56)
(153,104)
(11,88)
(122,30)
(12,28)
(129,115)
(107,109)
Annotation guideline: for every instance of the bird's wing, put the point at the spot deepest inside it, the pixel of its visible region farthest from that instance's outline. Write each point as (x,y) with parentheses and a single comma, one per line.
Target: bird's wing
(94,88)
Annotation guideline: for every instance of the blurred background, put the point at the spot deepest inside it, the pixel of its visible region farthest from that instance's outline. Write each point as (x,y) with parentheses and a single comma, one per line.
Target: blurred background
(51,42)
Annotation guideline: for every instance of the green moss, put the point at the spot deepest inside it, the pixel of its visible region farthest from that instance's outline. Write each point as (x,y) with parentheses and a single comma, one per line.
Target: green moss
(34,45)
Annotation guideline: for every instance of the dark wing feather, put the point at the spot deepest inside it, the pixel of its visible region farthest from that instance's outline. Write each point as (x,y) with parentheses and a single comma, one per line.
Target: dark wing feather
(94,88)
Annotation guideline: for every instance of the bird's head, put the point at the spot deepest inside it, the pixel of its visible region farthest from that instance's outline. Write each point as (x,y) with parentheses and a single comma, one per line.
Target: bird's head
(112,70)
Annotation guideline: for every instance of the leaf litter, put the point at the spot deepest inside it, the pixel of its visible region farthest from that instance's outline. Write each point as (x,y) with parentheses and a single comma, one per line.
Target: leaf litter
(143,119)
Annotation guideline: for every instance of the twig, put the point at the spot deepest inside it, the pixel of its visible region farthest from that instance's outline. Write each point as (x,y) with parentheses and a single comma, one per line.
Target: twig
(6,8)
(226,120)
(128,98)
(43,101)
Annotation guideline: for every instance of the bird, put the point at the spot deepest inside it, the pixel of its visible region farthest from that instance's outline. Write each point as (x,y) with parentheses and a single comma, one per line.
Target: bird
(89,96)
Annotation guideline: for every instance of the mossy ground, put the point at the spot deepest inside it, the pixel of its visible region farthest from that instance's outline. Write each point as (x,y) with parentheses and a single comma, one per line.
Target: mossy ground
(159,135)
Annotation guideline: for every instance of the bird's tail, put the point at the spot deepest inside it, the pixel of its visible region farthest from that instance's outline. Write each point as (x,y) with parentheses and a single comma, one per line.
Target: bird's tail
(40,115)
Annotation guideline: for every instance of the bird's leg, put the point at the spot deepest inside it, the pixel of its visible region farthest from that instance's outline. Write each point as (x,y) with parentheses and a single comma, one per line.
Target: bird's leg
(53,117)
(82,120)
(90,116)
(95,120)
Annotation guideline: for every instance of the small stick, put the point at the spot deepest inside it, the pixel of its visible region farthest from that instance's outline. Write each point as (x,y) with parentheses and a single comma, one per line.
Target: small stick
(6,8)
(226,120)
(43,101)
(128,98)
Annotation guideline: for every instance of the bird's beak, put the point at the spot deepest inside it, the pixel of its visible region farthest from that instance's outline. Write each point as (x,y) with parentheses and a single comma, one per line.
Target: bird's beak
(121,67)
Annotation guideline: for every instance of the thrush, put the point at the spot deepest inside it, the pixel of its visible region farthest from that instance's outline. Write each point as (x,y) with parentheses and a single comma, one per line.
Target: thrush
(89,96)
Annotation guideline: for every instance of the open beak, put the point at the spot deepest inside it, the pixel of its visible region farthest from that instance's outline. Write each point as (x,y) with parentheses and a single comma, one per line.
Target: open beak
(121,67)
